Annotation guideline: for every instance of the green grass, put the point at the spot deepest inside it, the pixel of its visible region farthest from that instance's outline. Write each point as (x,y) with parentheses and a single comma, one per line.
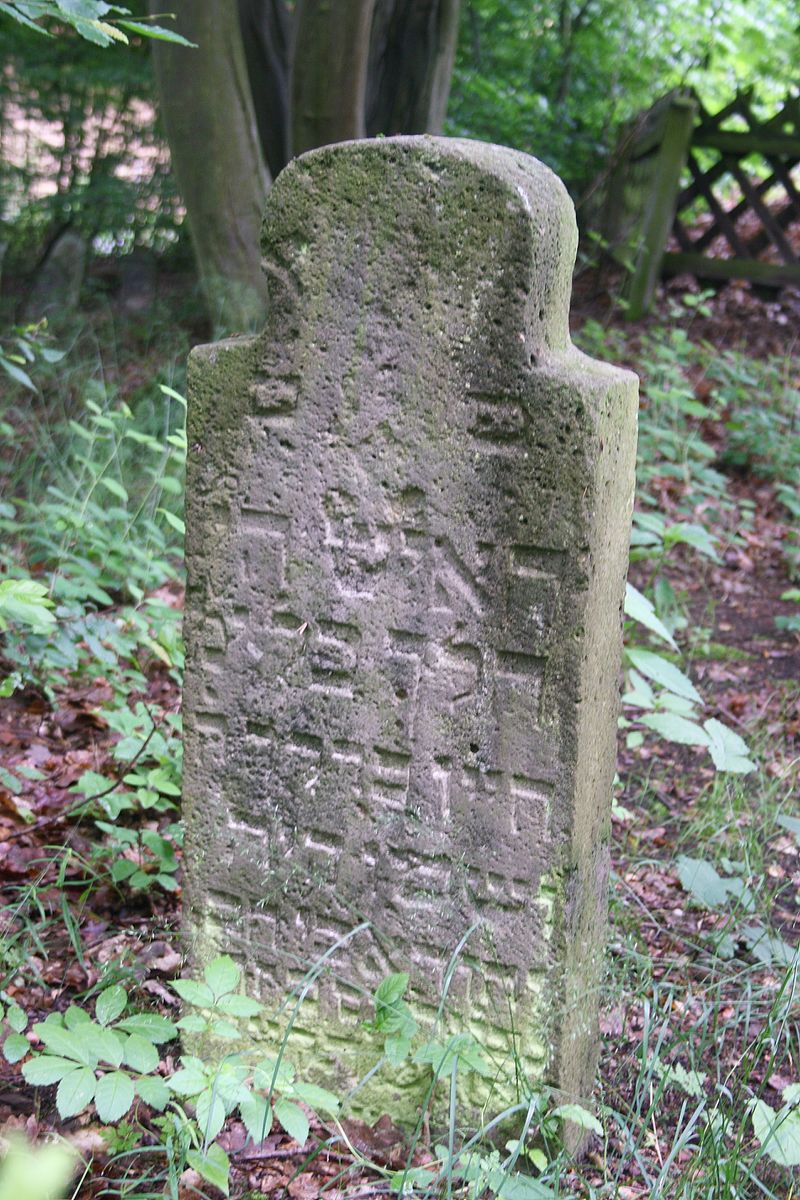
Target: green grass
(702,1010)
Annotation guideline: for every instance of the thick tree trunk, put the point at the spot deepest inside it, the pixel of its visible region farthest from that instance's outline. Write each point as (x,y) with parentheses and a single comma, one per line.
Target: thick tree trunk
(208,113)
(412,52)
(329,71)
(267,32)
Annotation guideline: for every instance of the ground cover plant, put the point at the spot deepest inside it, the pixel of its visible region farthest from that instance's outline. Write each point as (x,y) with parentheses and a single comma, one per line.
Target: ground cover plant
(697,1090)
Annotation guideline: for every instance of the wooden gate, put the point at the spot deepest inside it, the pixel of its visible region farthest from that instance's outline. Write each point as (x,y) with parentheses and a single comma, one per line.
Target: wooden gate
(719,187)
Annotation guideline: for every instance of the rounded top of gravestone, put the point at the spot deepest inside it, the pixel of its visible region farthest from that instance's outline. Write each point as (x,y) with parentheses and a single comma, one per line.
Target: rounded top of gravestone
(494,225)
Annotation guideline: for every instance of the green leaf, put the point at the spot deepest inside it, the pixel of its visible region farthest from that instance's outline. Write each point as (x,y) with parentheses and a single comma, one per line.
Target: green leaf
(193,992)
(462,1047)
(140,1054)
(12,11)
(392,989)
(318,1098)
(213,1166)
(74,1017)
(702,880)
(150,1025)
(75,1091)
(17,373)
(692,535)
(518,1187)
(168,391)
(108,1045)
(579,1115)
(663,672)
(669,702)
(115,487)
(769,949)
(675,728)
(193,1023)
(790,823)
(728,751)
(257,1116)
(641,694)
(676,1075)
(177,524)
(115,1095)
(27,602)
(17,1018)
(15,1047)
(66,1043)
(157,33)
(778,1133)
(122,869)
(265,1070)
(639,608)
(154,1091)
(239,1006)
(46,1069)
(397,1048)
(188,1081)
(292,1119)
(225,1029)
(222,975)
(209,1113)
(110,1004)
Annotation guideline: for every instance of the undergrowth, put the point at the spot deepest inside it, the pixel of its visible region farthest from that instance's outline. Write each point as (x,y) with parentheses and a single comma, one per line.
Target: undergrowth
(706,1030)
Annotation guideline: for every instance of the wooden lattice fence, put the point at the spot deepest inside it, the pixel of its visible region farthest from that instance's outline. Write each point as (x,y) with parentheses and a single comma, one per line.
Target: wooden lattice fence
(712,195)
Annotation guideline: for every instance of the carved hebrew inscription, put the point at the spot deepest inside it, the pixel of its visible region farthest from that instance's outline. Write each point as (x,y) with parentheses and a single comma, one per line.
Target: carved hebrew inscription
(407,520)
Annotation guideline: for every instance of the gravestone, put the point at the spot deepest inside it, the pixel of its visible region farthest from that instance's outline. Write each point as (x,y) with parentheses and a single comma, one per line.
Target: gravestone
(138,286)
(57,285)
(408,507)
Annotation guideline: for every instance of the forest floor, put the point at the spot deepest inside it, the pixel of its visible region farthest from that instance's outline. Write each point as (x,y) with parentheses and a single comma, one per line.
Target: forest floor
(65,923)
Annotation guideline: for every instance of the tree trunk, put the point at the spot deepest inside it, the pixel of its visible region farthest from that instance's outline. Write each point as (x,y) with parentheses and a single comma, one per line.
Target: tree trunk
(266,32)
(208,114)
(412,52)
(329,71)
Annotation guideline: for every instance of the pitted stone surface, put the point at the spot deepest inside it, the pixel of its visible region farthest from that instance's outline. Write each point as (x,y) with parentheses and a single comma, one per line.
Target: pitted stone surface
(407,523)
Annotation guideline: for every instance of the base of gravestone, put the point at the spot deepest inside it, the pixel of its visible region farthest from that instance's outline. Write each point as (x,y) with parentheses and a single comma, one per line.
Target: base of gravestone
(408,508)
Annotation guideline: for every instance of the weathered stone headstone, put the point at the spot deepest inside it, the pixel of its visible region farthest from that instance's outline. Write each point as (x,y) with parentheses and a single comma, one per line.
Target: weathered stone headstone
(138,286)
(407,524)
(57,285)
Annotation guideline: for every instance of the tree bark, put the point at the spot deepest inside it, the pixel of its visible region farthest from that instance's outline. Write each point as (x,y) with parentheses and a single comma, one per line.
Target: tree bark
(208,113)
(266,33)
(329,71)
(412,53)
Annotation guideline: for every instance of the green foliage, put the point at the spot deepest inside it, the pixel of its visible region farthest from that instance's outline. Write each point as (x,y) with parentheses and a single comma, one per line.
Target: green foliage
(779,1132)
(25,602)
(676,454)
(23,346)
(735,895)
(393,1018)
(36,1172)
(557,77)
(791,623)
(113,1059)
(95,20)
(107,1061)
(98,111)
(104,524)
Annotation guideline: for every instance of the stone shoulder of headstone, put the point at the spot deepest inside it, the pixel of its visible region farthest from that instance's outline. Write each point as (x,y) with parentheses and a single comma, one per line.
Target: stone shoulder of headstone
(408,510)
(56,287)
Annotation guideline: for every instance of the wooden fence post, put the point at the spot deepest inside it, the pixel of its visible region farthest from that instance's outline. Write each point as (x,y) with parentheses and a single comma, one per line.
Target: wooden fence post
(671,159)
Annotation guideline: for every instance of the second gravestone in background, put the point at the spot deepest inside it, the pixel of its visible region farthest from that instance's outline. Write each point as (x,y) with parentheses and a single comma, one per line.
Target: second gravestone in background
(407,526)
